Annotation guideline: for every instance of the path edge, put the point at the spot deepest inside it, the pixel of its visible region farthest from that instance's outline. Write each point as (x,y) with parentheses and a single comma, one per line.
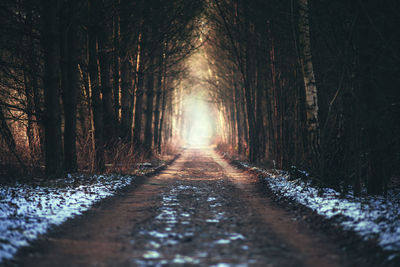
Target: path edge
(55,231)
(349,241)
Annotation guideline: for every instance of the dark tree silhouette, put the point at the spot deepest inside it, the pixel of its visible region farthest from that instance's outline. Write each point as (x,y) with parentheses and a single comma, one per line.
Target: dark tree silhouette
(52,112)
(291,84)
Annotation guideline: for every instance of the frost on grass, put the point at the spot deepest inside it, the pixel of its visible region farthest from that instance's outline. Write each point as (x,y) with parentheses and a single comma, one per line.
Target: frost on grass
(372,217)
(27,211)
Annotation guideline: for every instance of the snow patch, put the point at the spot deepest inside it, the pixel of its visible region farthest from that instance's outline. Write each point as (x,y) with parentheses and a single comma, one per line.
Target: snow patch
(28,211)
(372,217)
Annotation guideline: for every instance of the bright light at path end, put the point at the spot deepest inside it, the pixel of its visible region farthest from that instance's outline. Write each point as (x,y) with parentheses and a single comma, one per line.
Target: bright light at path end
(198,122)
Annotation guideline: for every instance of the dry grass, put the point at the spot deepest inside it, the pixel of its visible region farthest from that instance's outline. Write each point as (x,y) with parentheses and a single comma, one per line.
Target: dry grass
(122,158)
(27,162)
(170,149)
(21,163)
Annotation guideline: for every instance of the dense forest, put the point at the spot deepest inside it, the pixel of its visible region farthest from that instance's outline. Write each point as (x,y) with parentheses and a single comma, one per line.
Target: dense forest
(292,84)
(90,83)
(311,85)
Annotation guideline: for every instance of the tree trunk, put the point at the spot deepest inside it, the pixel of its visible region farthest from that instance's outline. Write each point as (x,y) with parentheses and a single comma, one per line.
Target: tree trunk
(35,123)
(64,25)
(127,95)
(84,109)
(163,105)
(29,112)
(158,99)
(377,149)
(52,113)
(232,124)
(253,149)
(236,102)
(116,69)
(137,131)
(148,135)
(97,104)
(272,102)
(70,80)
(309,80)
(37,100)
(244,127)
(106,90)
(6,132)
(260,131)
(169,119)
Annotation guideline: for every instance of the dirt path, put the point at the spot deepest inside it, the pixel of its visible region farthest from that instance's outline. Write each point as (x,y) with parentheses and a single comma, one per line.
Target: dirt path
(199,211)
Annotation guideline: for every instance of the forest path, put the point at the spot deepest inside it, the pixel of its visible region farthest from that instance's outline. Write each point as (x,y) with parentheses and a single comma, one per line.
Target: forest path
(199,211)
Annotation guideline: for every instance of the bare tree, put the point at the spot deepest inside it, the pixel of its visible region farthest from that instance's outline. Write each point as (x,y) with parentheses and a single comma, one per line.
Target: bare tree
(309,79)
(52,113)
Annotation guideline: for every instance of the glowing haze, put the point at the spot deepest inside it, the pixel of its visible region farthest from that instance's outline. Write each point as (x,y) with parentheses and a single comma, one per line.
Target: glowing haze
(197,110)
(198,121)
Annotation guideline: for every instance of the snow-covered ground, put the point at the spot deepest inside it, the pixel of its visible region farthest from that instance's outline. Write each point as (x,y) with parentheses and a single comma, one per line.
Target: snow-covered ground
(28,211)
(372,217)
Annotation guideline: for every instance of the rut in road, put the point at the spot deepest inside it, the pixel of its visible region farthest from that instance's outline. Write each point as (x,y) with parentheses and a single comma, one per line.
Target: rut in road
(200,211)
